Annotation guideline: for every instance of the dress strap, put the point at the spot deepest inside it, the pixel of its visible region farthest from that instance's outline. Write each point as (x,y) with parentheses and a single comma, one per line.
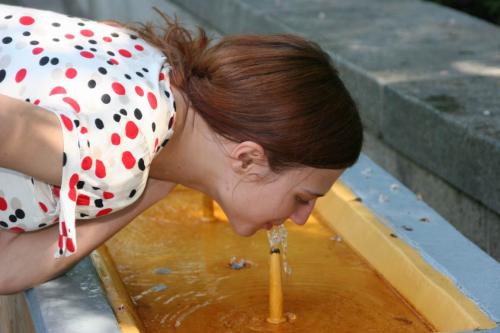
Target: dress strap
(66,245)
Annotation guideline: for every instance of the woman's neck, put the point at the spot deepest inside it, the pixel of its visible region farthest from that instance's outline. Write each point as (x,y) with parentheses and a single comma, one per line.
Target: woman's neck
(191,156)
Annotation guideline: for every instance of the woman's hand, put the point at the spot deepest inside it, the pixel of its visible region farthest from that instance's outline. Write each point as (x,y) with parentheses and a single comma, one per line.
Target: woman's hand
(28,258)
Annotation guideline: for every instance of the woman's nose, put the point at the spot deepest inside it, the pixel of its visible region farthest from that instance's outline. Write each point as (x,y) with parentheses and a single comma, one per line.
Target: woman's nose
(301,215)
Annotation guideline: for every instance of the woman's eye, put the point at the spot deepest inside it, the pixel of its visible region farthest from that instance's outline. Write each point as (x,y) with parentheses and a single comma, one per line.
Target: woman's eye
(301,201)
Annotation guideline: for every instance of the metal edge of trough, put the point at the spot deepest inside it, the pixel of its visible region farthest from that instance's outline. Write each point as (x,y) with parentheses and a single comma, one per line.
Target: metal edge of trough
(474,272)
(75,301)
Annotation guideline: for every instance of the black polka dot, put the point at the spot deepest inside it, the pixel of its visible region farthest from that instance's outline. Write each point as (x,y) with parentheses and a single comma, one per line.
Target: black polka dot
(111,53)
(145,69)
(64,159)
(106,98)
(55,39)
(114,34)
(77,122)
(83,215)
(3,224)
(78,47)
(133,36)
(7,40)
(93,49)
(175,108)
(123,112)
(92,41)
(127,76)
(32,181)
(26,33)
(54,61)
(99,124)
(34,42)
(139,74)
(56,24)
(12,218)
(80,184)
(2,74)
(98,203)
(44,61)
(141,165)
(91,84)
(164,143)
(153,126)
(95,188)
(41,225)
(138,114)
(102,70)
(117,117)
(81,24)
(8,17)
(110,62)
(167,94)
(20,213)
(132,193)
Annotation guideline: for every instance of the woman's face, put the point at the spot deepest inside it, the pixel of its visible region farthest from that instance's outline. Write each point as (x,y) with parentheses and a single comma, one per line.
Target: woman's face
(251,205)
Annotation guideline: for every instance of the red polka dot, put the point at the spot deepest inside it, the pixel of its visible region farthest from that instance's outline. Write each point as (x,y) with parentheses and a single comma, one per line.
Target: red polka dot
(37,50)
(118,88)
(60,242)
(152,100)
(162,76)
(72,194)
(139,47)
(114,61)
(131,130)
(107,39)
(43,207)
(26,20)
(67,122)
(100,170)
(86,163)
(36,102)
(83,130)
(108,195)
(3,204)
(20,75)
(125,53)
(128,160)
(87,54)
(156,143)
(71,73)
(115,139)
(87,33)
(69,36)
(83,200)
(139,91)
(104,211)
(64,230)
(57,90)
(72,103)
(56,190)
(70,245)
(73,180)
(17,229)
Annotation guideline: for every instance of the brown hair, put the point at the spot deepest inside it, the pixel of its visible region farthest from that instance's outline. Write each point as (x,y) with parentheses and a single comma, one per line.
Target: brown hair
(280,91)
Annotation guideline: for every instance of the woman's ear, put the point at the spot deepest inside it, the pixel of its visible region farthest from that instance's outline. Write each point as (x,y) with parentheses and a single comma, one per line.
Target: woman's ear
(249,157)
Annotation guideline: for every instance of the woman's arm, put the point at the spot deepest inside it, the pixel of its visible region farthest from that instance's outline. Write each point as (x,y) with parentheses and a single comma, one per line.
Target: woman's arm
(31,140)
(27,259)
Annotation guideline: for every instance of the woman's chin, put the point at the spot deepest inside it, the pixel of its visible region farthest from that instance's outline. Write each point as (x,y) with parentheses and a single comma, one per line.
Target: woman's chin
(244,230)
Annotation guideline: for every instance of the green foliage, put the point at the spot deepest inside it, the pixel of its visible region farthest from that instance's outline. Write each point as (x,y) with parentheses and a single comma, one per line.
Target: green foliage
(486,9)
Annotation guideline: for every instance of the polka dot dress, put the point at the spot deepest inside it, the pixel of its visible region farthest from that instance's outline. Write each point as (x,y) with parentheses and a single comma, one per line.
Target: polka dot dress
(111,93)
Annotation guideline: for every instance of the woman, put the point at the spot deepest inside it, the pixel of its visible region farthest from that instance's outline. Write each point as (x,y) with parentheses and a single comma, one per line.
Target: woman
(261,123)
